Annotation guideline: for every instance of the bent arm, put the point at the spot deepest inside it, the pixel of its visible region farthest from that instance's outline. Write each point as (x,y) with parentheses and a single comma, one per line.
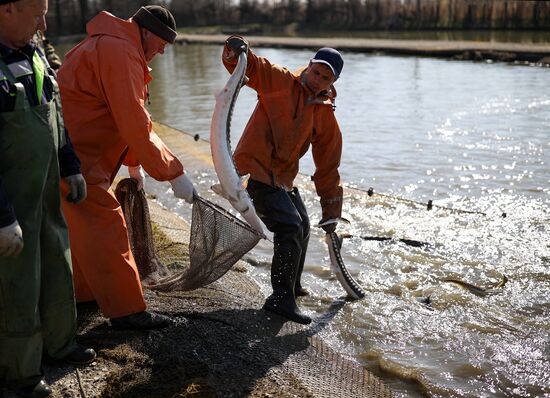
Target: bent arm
(69,164)
(327,152)
(123,76)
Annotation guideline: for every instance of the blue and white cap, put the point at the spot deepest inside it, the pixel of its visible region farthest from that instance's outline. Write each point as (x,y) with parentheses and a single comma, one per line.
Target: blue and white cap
(331,58)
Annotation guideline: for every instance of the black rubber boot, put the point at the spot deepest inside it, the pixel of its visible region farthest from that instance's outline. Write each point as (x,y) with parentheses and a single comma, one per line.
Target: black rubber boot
(40,390)
(286,307)
(283,278)
(81,356)
(142,320)
(299,290)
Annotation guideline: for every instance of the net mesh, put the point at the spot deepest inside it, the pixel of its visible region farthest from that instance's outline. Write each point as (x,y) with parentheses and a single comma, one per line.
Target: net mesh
(218,240)
(136,214)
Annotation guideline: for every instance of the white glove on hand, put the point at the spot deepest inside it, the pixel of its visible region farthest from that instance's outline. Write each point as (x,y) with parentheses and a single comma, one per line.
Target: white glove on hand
(137,173)
(11,240)
(77,188)
(183,188)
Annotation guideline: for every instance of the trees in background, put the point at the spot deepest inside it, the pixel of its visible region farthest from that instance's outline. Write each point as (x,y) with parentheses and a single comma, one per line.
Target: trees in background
(70,16)
(204,12)
(428,14)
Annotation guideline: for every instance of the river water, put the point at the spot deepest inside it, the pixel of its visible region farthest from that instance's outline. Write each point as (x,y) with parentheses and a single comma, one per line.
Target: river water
(470,136)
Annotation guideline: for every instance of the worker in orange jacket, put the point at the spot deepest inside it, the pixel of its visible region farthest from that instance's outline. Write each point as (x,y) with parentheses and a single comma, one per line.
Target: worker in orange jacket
(295,110)
(103,83)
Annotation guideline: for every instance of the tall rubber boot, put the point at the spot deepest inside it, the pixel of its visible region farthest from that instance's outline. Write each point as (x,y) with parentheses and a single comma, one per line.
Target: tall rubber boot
(300,291)
(284,268)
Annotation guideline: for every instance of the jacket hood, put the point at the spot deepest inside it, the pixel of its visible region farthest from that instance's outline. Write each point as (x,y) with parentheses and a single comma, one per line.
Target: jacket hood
(107,24)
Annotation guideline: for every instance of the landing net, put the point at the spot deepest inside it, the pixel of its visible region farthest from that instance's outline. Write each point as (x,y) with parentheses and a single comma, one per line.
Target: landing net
(217,241)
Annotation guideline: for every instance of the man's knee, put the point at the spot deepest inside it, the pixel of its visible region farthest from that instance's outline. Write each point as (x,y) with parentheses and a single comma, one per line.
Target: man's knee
(285,232)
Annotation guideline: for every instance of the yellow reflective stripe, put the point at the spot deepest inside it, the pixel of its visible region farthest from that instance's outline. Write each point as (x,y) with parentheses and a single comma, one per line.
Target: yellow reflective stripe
(39,72)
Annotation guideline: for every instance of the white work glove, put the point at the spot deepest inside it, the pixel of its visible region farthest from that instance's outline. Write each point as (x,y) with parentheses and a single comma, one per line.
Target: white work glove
(11,240)
(183,188)
(77,188)
(137,173)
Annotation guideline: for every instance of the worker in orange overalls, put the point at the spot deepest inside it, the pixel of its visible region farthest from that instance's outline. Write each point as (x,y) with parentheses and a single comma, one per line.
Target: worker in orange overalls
(103,83)
(295,110)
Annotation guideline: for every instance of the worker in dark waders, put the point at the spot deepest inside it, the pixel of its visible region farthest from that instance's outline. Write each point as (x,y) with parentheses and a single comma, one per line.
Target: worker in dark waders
(37,304)
(295,110)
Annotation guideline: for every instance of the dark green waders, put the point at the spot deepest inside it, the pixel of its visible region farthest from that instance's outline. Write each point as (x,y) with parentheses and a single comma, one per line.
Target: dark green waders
(37,305)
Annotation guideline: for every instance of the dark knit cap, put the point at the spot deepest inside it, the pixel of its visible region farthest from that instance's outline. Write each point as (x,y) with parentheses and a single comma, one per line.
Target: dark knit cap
(2,2)
(157,20)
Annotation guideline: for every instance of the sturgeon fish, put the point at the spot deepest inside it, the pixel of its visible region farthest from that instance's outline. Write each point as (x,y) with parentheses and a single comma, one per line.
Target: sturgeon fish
(232,186)
(350,285)
(476,290)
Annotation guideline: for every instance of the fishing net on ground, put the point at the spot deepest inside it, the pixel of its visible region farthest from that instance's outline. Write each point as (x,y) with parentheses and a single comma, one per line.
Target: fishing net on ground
(218,240)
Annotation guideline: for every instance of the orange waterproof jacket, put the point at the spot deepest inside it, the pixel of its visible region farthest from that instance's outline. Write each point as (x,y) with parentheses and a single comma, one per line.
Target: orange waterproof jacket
(103,90)
(103,83)
(288,119)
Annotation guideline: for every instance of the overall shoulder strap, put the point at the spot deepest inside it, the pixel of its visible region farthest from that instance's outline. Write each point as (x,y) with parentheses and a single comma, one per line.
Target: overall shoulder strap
(6,72)
(20,95)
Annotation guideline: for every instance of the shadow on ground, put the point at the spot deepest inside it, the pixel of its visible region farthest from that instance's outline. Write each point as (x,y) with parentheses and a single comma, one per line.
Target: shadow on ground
(209,351)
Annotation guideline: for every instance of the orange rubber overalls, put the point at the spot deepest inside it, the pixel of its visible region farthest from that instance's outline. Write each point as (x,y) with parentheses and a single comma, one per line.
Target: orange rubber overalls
(103,89)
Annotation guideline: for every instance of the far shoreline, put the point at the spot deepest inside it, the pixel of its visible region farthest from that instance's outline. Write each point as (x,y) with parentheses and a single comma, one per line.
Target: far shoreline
(511,52)
(532,53)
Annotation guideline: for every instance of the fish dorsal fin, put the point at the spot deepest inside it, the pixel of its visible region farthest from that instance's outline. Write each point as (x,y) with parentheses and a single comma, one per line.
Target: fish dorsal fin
(244,181)
(217,188)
